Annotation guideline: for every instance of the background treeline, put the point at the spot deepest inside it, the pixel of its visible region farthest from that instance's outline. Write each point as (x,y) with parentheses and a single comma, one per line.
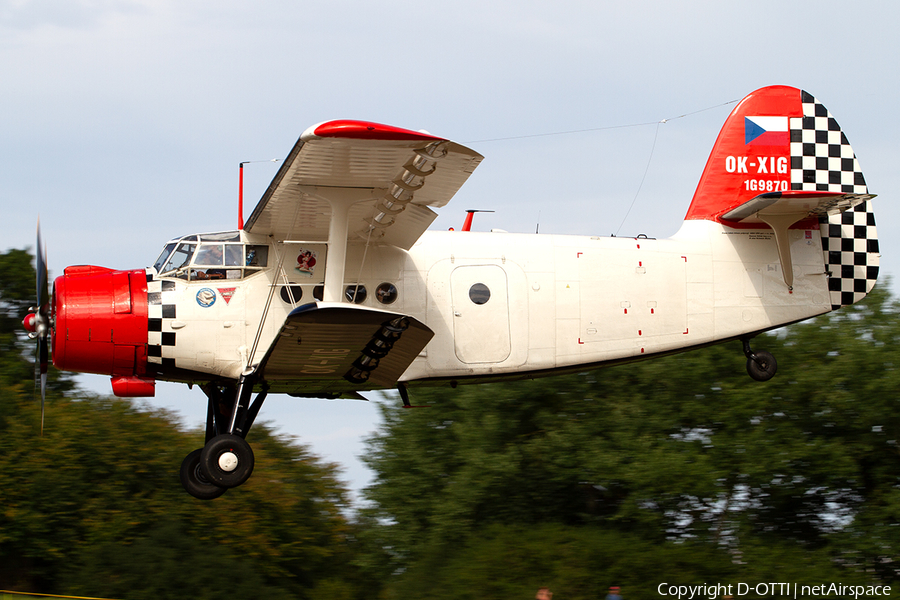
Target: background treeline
(680,469)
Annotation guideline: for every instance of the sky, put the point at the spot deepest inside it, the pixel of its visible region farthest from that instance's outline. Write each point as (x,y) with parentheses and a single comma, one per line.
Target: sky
(124,121)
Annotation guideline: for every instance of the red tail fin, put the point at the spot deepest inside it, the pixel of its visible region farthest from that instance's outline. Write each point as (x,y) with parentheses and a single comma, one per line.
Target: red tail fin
(777,139)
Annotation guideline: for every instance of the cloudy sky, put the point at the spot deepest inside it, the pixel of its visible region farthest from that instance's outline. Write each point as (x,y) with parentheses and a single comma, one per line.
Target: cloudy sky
(123,121)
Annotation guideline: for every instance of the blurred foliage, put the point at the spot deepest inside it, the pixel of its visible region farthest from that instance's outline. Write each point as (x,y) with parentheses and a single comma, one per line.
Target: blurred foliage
(616,475)
(95,508)
(17,294)
(680,468)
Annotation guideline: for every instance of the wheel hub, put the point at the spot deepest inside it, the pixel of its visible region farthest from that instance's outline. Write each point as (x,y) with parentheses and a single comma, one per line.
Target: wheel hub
(228,461)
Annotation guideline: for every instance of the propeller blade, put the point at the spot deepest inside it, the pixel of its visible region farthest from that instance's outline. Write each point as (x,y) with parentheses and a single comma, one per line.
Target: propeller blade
(41,264)
(42,317)
(42,361)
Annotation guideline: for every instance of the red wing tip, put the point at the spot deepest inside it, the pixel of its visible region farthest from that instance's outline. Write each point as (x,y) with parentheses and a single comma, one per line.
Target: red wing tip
(365,130)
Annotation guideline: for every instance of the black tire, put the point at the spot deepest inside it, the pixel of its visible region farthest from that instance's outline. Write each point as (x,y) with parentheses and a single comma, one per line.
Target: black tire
(194,481)
(763,368)
(220,449)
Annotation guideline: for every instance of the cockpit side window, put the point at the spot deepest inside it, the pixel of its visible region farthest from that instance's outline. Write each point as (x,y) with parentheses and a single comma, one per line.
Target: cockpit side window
(210,254)
(212,257)
(257,256)
(216,256)
(234,255)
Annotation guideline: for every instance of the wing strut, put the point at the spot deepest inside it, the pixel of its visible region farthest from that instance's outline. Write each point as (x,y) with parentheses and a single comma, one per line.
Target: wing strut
(780,225)
(341,201)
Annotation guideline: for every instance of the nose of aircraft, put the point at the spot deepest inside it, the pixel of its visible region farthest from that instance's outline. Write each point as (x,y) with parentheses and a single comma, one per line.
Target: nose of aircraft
(100,321)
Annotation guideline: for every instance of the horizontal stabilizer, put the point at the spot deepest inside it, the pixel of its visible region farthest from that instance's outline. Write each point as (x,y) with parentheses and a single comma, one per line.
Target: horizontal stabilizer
(797,202)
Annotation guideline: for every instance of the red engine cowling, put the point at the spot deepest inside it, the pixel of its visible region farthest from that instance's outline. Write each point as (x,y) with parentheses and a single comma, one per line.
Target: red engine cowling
(100,321)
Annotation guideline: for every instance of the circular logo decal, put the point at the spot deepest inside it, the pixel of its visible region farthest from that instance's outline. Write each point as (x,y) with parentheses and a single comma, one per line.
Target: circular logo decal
(206,297)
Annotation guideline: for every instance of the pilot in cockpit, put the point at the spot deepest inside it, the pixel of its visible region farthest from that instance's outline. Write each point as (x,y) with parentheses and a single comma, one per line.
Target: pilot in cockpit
(209,254)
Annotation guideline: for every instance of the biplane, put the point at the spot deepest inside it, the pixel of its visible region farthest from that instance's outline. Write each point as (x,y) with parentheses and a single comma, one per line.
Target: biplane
(335,286)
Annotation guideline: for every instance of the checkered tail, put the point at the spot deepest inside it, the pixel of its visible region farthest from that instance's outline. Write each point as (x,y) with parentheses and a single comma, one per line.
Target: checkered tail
(822,160)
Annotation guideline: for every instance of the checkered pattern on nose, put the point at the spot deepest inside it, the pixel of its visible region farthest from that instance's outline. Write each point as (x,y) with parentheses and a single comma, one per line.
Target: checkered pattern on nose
(160,312)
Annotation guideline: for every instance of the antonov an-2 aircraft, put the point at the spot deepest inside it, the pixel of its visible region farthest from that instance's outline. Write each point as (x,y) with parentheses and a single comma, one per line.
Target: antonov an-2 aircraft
(334,286)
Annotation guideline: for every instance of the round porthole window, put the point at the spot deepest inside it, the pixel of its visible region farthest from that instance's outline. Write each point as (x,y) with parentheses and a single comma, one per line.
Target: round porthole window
(386,293)
(479,293)
(291,294)
(356,294)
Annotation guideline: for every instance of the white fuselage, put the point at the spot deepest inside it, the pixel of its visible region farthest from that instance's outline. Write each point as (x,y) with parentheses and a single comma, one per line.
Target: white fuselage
(553,301)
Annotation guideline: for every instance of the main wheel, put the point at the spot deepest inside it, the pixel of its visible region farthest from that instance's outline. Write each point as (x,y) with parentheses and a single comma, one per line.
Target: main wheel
(227,460)
(762,367)
(194,481)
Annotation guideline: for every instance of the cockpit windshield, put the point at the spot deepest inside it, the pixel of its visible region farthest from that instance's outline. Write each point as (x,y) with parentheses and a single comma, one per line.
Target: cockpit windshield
(216,256)
(158,265)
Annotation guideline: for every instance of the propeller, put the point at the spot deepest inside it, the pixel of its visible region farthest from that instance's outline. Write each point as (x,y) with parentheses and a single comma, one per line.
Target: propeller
(37,322)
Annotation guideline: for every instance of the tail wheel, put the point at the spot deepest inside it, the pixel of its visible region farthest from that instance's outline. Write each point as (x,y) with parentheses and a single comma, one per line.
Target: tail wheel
(227,460)
(195,482)
(761,366)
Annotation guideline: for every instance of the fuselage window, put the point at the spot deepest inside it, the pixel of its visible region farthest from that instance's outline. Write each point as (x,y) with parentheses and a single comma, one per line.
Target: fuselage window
(479,293)
(386,293)
(356,293)
(291,294)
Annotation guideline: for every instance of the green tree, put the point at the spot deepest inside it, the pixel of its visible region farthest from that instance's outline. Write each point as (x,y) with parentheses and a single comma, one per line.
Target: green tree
(684,455)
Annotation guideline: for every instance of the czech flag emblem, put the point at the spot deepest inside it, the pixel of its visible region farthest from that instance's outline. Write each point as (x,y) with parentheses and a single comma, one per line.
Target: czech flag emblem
(766,131)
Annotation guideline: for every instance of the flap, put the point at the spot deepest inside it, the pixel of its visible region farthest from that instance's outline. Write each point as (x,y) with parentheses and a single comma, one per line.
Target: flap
(333,348)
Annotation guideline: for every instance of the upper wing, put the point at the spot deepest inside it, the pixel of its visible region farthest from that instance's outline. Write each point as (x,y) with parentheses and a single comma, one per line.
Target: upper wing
(382,178)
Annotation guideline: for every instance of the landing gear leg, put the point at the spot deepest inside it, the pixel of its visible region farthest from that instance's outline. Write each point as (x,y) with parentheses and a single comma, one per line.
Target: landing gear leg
(226,460)
(761,365)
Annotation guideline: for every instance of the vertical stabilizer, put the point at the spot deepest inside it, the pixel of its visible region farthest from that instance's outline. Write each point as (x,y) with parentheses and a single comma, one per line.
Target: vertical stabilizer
(780,148)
